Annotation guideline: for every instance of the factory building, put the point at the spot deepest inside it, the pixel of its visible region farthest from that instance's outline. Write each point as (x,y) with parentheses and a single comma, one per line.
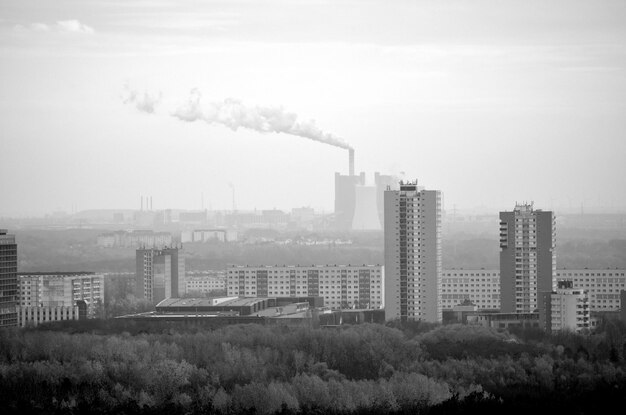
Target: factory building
(413,254)
(341,286)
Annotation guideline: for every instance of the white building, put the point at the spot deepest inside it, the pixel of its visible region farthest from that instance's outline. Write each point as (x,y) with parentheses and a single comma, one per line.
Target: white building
(205,282)
(478,285)
(602,285)
(412,253)
(61,289)
(567,308)
(341,286)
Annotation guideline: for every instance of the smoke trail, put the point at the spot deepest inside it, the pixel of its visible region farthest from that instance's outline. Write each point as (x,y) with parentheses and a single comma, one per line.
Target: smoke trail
(234,114)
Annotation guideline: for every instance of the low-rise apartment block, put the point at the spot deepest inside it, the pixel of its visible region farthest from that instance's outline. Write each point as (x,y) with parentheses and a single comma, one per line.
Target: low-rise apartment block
(341,286)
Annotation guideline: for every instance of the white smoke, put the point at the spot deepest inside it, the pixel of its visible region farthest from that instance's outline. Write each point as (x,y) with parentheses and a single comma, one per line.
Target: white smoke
(234,114)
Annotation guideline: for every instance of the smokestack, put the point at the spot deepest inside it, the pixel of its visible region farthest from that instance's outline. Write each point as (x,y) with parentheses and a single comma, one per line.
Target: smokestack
(351,161)
(141,202)
(150,202)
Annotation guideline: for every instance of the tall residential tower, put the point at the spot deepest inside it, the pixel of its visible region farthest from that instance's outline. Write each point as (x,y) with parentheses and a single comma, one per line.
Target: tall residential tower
(412,253)
(8,279)
(527,258)
(160,274)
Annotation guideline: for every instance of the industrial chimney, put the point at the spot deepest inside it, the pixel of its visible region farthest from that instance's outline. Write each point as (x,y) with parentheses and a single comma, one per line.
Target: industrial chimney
(351,161)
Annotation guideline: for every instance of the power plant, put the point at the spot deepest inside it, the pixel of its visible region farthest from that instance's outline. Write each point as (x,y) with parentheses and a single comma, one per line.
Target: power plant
(357,205)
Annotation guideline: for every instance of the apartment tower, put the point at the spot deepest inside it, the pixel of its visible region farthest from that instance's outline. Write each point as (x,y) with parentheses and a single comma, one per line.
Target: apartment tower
(160,274)
(412,253)
(527,258)
(8,279)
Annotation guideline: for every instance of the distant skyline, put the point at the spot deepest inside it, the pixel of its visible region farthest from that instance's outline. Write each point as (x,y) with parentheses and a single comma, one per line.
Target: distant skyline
(490,102)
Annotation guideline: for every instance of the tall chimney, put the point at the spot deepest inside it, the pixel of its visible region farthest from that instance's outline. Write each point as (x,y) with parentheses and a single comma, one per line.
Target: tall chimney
(351,161)
(141,202)
(150,202)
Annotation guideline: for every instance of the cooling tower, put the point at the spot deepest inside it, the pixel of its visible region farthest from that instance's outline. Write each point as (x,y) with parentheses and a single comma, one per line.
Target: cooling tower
(365,209)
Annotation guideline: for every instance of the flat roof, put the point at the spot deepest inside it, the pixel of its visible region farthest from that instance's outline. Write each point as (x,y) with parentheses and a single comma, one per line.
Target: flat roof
(306,266)
(208,302)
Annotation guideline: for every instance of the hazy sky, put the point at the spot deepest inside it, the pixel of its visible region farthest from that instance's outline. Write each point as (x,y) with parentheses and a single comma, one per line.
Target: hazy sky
(488,101)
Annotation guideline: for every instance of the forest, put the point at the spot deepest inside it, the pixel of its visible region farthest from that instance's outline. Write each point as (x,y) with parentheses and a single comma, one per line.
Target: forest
(105,366)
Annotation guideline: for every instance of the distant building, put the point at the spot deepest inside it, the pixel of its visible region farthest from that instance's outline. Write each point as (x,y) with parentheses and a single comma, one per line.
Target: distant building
(134,239)
(505,320)
(159,274)
(61,289)
(365,210)
(565,309)
(206,235)
(345,198)
(413,254)
(8,279)
(603,286)
(205,283)
(527,257)
(480,286)
(36,315)
(341,286)
(382,182)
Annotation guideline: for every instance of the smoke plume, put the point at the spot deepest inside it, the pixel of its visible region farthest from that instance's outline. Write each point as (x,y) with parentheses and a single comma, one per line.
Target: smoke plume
(233,114)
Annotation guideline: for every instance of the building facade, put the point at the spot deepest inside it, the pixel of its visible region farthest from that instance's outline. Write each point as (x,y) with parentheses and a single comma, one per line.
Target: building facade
(527,257)
(8,279)
(61,289)
(413,253)
(480,286)
(159,274)
(602,285)
(345,198)
(567,308)
(134,239)
(205,282)
(341,286)
(32,316)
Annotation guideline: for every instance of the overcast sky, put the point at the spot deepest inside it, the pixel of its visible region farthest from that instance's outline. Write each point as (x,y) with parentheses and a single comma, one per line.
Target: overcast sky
(491,102)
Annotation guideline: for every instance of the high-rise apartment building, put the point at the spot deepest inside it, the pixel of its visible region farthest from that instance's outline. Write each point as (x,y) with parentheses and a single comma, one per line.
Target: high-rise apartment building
(413,253)
(8,279)
(341,286)
(160,274)
(527,257)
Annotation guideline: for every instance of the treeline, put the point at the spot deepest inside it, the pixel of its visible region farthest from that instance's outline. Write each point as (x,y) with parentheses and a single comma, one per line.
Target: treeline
(126,367)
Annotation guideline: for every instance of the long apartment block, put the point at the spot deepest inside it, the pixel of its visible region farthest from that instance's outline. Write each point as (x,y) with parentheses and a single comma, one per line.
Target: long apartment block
(482,287)
(341,286)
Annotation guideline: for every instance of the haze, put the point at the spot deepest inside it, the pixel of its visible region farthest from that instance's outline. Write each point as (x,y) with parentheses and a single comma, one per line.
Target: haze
(491,102)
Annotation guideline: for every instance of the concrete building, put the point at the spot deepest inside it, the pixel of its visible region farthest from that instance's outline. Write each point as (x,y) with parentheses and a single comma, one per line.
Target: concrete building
(61,289)
(603,286)
(8,279)
(567,308)
(480,286)
(505,320)
(527,257)
(32,316)
(413,254)
(341,286)
(203,283)
(159,274)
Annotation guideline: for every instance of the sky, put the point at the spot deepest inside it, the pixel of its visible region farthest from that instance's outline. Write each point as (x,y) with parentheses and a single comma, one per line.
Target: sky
(491,102)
